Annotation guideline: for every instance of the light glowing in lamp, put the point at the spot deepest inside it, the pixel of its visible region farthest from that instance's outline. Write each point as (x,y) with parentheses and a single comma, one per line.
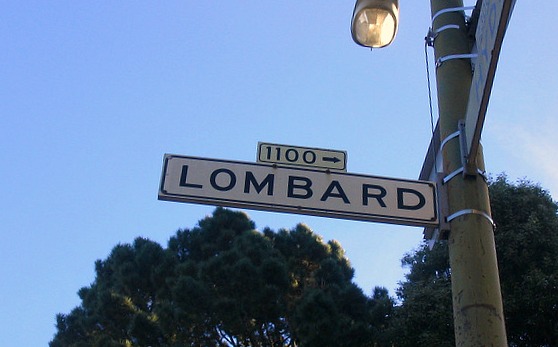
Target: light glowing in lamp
(374,22)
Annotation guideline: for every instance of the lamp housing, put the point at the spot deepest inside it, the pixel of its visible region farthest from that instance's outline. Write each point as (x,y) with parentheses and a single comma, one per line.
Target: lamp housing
(374,23)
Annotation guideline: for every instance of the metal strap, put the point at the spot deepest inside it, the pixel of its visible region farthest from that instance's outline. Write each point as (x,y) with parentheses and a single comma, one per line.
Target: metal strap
(445,27)
(451,9)
(447,139)
(471,211)
(433,34)
(460,170)
(455,56)
(452,175)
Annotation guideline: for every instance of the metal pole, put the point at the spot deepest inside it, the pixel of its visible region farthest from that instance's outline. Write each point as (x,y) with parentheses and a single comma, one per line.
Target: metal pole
(477,301)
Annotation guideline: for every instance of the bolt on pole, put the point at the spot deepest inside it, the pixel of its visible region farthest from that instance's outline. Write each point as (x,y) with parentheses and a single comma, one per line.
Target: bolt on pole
(477,301)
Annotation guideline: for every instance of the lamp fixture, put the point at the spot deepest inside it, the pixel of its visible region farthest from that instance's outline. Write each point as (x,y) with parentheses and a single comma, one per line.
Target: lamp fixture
(374,22)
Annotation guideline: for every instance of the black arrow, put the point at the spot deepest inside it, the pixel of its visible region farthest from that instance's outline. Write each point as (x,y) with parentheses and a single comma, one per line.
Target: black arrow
(331,159)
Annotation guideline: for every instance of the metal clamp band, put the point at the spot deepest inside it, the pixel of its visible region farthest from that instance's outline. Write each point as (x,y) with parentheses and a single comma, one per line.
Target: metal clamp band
(451,9)
(460,170)
(433,34)
(470,211)
(452,175)
(445,27)
(455,56)
(450,137)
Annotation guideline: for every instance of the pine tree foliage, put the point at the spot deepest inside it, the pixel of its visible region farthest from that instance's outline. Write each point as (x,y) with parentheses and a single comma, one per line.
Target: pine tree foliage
(527,246)
(222,283)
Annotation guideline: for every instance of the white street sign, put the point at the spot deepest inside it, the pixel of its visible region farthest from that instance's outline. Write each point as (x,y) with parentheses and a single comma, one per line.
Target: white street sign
(302,156)
(298,190)
(492,24)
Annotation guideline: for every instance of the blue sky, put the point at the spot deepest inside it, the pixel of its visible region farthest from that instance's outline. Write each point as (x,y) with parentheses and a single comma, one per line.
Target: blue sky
(94,93)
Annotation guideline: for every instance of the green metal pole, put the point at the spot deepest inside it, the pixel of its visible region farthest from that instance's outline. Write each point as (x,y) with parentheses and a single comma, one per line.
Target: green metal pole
(477,301)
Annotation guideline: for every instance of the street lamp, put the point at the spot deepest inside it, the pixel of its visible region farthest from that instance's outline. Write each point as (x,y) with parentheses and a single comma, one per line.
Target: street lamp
(374,22)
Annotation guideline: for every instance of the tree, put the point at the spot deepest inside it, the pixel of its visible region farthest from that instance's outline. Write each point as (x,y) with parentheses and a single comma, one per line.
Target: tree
(425,316)
(222,283)
(120,307)
(527,245)
(526,236)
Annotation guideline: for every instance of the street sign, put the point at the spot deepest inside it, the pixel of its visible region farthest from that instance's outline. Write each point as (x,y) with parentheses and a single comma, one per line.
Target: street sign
(492,24)
(298,190)
(302,156)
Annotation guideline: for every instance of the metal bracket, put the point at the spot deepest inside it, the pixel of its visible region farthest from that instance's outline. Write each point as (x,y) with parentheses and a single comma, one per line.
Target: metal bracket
(468,168)
(442,231)
(430,37)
